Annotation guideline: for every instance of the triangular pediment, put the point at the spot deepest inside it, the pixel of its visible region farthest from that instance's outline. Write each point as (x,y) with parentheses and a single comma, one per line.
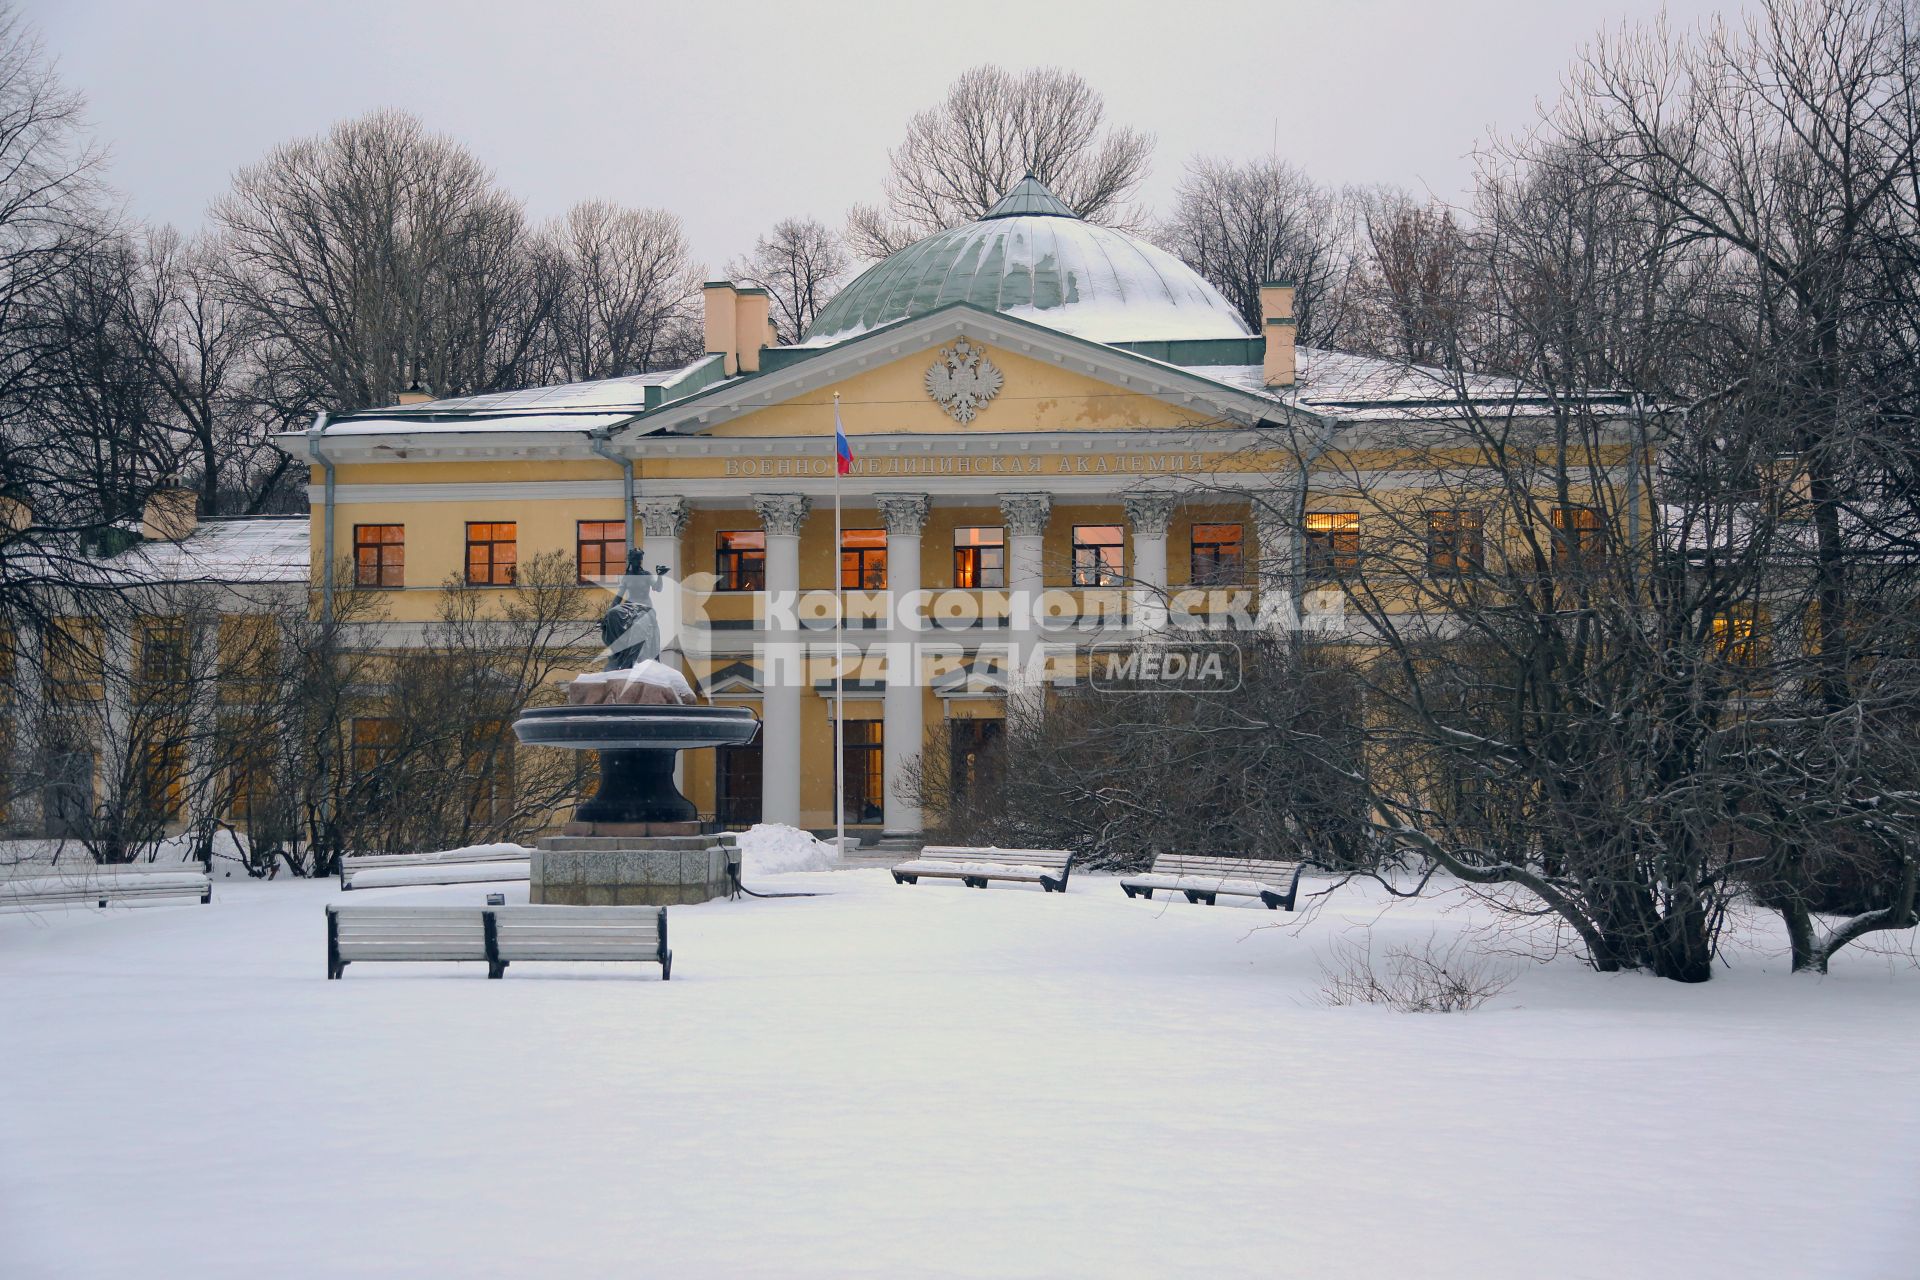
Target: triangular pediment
(965,370)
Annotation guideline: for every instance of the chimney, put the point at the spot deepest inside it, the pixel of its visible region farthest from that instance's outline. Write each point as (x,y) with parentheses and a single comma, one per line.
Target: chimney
(722,303)
(171,515)
(415,394)
(1276,326)
(752,323)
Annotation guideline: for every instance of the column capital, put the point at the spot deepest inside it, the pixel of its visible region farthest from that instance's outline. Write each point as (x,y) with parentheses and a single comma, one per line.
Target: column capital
(1148,513)
(662,517)
(1026,514)
(904,514)
(782,513)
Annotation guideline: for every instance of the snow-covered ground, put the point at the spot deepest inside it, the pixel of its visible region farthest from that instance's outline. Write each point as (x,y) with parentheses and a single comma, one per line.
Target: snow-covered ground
(931,1081)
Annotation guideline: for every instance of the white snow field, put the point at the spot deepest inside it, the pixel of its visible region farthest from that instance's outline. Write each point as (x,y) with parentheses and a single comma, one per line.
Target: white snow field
(933,1081)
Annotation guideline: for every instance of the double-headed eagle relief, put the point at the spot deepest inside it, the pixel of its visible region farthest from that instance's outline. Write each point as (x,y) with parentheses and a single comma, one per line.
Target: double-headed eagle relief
(962,380)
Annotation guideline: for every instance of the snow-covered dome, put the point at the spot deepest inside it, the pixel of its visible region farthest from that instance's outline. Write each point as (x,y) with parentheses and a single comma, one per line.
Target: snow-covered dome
(1030,256)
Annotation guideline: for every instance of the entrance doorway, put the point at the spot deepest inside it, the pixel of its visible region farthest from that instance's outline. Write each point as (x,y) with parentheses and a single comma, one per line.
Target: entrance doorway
(866,772)
(736,785)
(972,761)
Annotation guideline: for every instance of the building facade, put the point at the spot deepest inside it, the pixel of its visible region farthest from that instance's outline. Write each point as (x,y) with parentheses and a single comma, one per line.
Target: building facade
(1060,437)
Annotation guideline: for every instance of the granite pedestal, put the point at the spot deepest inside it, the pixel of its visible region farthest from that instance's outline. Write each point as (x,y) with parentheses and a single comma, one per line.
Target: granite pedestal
(615,871)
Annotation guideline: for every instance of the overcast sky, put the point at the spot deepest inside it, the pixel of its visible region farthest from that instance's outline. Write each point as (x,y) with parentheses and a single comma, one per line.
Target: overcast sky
(734,115)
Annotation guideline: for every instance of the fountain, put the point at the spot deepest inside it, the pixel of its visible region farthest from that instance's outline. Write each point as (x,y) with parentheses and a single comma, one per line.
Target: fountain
(637,840)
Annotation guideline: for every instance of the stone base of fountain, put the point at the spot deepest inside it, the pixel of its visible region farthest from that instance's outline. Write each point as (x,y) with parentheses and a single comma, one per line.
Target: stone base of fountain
(637,841)
(620,871)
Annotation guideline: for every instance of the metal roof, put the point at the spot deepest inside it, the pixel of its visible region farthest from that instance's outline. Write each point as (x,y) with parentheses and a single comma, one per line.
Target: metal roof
(1031,257)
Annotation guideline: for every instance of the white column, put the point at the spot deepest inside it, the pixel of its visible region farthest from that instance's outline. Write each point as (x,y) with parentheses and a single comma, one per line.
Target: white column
(1149,514)
(1026,516)
(903,735)
(661,521)
(782,666)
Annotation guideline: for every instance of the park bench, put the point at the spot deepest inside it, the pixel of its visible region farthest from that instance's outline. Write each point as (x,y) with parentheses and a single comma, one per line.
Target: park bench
(1203,879)
(1047,868)
(97,885)
(431,868)
(497,935)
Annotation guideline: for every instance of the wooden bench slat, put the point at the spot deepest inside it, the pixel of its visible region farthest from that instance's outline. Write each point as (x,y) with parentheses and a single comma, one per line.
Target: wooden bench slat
(1204,877)
(497,935)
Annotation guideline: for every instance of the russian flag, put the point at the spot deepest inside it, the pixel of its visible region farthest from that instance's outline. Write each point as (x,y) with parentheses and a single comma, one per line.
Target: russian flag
(842,451)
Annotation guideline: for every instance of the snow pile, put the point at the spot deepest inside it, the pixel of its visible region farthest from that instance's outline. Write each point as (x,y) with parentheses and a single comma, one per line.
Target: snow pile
(769,848)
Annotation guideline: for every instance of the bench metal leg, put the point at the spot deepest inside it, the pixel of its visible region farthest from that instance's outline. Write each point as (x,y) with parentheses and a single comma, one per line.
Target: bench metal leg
(1129,890)
(1193,895)
(496,968)
(900,879)
(666,967)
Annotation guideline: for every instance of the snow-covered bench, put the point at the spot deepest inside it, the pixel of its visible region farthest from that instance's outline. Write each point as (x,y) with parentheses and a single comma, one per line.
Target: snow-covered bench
(1203,879)
(496,935)
(456,866)
(133,882)
(1047,868)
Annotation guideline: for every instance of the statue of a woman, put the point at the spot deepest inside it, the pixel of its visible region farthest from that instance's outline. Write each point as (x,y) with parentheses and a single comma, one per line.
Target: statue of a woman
(629,630)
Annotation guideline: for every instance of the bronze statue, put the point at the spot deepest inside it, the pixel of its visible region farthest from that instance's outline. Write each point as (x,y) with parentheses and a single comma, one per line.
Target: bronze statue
(629,629)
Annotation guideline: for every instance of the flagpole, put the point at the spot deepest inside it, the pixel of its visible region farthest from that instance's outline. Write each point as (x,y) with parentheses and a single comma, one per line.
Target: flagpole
(839,638)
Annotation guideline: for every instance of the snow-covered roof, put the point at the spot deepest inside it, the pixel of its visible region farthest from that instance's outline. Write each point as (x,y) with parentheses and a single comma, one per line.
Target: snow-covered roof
(252,549)
(1338,384)
(573,407)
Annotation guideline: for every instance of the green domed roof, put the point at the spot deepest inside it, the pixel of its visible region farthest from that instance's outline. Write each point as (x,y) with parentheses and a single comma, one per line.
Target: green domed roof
(1030,256)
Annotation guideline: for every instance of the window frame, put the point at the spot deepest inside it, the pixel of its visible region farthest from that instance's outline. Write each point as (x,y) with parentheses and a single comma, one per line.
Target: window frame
(493,561)
(865,557)
(1458,551)
(1212,571)
(581,542)
(382,561)
(1096,572)
(1332,552)
(968,558)
(1577,546)
(730,569)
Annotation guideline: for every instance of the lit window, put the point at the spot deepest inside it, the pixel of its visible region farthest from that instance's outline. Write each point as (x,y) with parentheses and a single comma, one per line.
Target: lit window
(379,555)
(980,557)
(601,549)
(863,559)
(492,550)
(1333,543)
(1099,558)
(740,560)
(1739,635)
(1219,556)
(1455,543)
(1579,538)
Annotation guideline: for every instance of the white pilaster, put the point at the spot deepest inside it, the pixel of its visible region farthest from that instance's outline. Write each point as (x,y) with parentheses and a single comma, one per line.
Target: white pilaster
(1149,514)
(782,667)
(903,734)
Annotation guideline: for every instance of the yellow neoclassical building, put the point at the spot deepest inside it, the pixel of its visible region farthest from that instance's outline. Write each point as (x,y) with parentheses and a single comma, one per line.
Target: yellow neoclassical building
(1060,436)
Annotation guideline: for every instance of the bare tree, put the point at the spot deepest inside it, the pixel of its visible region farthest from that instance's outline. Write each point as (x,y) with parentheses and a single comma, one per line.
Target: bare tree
(994,127)
(623,301)
(378,258)
(1241,225)
(799,263)
(1412,291)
